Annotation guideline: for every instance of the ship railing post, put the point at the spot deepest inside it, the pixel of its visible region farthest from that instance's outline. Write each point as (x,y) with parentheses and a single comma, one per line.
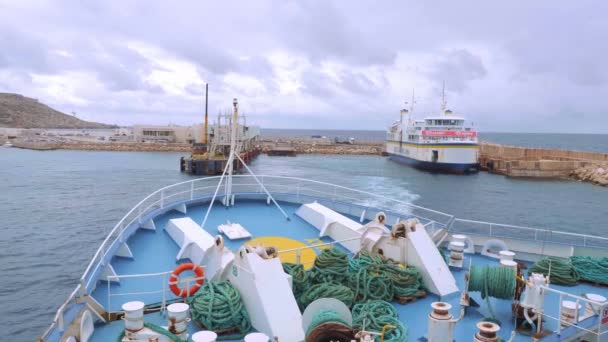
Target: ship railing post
(109,300)
(191,190)
(559,315)
(603,308)
(60,322)
(83,288)
(164,303)
(491,229)
(261,184)
(298,256)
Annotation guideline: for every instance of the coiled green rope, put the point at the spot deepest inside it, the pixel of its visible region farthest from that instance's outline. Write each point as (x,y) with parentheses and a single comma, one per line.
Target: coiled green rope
(407,282)
(330,266)
(497,282)
(374,315)
(371,283)
(562,270)
(299,277)
(590,269)
(323,317)
(327,290)
(218,306)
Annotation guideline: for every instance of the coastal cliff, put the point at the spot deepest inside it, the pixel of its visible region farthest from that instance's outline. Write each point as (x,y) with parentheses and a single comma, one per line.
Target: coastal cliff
(18,111)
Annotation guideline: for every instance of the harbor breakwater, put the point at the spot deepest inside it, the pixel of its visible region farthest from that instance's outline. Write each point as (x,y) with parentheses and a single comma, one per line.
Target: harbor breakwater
(527,162)
(300,145)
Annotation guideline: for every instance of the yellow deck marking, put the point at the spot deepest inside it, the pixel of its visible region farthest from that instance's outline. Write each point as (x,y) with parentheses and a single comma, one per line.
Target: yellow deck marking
(307,258)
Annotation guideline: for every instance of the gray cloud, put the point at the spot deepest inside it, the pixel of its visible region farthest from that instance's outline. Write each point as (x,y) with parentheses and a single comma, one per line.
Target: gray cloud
(457,68)
(539,54)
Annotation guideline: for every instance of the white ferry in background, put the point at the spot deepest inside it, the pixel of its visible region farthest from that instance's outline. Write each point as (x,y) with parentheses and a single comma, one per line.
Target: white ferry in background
(443,143)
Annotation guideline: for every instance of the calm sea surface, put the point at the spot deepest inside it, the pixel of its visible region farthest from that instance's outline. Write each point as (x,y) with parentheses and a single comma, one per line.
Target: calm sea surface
(57,206)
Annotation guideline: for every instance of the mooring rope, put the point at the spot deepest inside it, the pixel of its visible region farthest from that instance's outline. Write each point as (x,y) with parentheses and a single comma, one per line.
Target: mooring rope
(498,282)
(375,315)
(218,307)
(562,270)
(327,290)
(590,269)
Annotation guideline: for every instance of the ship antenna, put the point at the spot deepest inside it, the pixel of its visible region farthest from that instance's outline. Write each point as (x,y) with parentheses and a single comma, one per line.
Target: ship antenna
(413,101)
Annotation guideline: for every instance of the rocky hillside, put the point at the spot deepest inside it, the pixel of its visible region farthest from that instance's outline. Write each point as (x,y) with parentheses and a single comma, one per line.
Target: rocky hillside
(23,112)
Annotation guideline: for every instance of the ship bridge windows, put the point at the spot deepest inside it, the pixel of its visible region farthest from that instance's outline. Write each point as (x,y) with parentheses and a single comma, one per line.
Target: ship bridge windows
(445,122)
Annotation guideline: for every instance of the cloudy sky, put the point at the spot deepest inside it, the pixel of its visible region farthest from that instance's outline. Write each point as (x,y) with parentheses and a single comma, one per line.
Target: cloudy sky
(526,66)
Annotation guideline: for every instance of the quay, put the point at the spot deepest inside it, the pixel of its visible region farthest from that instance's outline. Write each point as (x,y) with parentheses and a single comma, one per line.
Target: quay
(528,162)
(278,150)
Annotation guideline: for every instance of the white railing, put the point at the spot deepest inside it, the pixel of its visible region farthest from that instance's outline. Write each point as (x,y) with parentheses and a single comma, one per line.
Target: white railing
(163,289)
(525,233)
(595,331)
(302,189)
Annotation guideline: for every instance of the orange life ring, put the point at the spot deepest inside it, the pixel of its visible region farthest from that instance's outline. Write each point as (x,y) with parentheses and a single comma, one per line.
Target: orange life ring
(200,274)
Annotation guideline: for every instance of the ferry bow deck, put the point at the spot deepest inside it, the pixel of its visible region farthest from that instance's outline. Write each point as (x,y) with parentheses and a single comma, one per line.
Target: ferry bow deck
(134,262)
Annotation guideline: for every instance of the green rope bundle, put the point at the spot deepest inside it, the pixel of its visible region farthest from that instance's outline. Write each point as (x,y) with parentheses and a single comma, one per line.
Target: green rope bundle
(407,281)
(330,266)
(590,269)
(323,317)
(497,282)
(371,283)
(562,270)
(327,290)
(374,315)
(218,306)
(299,277)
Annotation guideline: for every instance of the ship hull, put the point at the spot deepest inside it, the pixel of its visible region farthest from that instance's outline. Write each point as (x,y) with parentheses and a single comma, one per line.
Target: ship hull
(457,168)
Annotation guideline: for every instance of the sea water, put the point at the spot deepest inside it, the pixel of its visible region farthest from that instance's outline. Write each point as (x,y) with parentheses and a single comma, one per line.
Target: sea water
(56,207)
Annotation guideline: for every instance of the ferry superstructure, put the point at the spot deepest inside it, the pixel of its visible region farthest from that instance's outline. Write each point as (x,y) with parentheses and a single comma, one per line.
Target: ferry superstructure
(269,258)
(443,143)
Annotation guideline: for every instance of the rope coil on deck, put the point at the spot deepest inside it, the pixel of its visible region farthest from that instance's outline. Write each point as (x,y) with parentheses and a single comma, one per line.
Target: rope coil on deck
(562,270)
(330,266)
(498,282)
(328,290)
(375,315)
(590,269)
(218,307)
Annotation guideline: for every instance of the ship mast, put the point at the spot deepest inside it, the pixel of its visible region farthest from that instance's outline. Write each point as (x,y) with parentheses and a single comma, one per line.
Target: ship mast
(206,129)
(227,174)
(444,103)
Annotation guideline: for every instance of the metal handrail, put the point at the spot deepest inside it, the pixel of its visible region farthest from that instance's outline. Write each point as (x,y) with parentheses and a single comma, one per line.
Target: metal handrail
(603,306)
(137,213)
(537,237)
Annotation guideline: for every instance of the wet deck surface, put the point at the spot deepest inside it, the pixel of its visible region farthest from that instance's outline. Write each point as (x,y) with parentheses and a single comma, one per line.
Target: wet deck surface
(155,251)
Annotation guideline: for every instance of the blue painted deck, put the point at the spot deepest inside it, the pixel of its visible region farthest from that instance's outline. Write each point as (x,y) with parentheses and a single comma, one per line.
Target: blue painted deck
(155,251)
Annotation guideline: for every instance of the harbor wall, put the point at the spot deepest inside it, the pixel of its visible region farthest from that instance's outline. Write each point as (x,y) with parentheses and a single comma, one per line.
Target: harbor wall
(516,161)
(300,145)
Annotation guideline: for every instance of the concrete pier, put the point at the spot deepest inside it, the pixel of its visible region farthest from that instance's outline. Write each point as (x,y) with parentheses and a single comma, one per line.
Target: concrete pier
(516,161)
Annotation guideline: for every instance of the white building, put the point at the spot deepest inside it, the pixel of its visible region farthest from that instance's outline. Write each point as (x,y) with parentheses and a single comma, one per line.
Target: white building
(189,134)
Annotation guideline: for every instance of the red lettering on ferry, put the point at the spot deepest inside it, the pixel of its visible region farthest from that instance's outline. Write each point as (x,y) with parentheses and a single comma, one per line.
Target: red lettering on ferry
(449,133)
